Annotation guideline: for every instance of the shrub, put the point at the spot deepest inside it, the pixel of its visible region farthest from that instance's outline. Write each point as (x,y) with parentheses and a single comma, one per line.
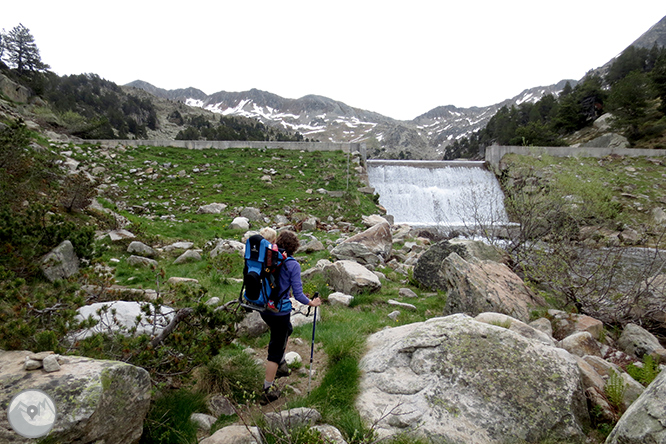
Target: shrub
(615,389)
(645,374)
(233,373)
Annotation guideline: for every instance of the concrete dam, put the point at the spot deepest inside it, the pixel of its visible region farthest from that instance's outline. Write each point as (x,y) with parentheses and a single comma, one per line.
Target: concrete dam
(438,194)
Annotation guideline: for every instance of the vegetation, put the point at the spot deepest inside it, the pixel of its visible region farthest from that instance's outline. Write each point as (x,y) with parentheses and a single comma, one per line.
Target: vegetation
(634,91)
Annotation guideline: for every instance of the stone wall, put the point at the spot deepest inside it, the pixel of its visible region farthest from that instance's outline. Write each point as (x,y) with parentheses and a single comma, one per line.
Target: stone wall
(495,153)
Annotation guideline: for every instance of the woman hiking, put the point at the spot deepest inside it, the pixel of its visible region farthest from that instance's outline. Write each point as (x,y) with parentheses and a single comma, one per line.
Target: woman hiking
(280,322)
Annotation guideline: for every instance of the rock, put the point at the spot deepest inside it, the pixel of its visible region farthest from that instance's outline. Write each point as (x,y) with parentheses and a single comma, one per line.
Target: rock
(111,398)
(366,190)
(119,235)
(312,246)
(486,286)
(338,298)
(638,342)
(603,123)
(659,216)
(141,249)
(378,239)
(357,252)
(252,325)
(31,364)
(51,364)
(581,344)
(214,301)
(140,261)
(452,378)
(599,403)
(214,208)
(204,422)
(292,419)
(394,315)
(527,331)
(645,420)
(292,358)
(253,214)
(330,434)
(309,224)
(235,434)
(428,268)
(565,324)
(173,280)
(228,246)
(240,223)
(188,256)
(61,262)
(351,278)
(371,221)
(219,405)
(544,325)
(121,317)
(178,246)
(401,304)
(407,293)
(589,376)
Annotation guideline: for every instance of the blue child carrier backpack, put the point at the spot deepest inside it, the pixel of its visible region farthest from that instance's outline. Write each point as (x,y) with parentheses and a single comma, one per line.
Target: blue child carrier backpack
(261,274)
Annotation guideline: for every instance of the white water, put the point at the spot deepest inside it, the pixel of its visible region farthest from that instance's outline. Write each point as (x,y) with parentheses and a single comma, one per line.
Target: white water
(438,193)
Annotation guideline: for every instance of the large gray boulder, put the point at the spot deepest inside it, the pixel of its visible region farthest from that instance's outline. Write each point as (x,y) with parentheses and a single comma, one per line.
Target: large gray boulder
(351,278)
(95,400)
(645,420)
(377,238)
(357,252)
(141,249)
(458,380)
(637,341)
(61,262)
(428,268)
(486,286)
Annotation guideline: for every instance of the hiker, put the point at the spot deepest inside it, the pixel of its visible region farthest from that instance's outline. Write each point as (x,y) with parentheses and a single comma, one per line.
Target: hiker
(280,323)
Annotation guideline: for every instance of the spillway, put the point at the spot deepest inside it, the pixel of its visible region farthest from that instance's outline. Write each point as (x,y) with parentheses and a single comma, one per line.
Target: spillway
(438,193)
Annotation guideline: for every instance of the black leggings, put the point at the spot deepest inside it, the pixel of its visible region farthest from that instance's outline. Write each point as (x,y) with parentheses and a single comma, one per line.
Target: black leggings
(281,329)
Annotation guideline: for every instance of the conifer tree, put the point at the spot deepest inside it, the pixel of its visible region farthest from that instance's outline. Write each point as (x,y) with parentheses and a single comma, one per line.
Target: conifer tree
(20,50)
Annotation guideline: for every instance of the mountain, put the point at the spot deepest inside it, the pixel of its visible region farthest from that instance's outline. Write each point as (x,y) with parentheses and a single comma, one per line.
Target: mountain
(324,119)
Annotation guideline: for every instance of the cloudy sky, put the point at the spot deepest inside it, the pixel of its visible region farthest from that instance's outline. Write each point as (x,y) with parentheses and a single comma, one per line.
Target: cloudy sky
(398,58)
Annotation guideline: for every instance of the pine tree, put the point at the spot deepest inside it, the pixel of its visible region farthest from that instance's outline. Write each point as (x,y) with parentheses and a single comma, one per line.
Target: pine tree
(20,50)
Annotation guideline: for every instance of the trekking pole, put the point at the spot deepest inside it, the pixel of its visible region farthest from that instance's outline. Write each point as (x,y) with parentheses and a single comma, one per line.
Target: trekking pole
(314,326)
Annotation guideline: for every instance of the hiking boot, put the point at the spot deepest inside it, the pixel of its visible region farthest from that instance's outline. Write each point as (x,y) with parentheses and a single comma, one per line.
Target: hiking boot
(271,394)
(283,370)
(271,306)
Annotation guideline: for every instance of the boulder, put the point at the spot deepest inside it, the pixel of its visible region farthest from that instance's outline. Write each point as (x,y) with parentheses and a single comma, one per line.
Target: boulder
(227,246)
(240,223)
(214,208)
(121,317)
(188,256)
(312,246)
(357,252)
(140,261)
(309,224)
(645,420)
(252,325)
(136,247)
(235,434)
(581,344)
(338,298)
(178,246)
(204,422)
(637,341)
(253,214)
(407,293)
(377,238)
(483,286)
(292,419)
(608,140)
(61,262)
(372,220)
(119,235)
(95,400)
(565,324)
(544,325)
(330,434)
(351,278)
(453,378)
(428,268)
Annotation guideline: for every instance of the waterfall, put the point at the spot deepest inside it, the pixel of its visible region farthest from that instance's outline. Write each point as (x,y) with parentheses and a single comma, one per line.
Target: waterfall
(446,194)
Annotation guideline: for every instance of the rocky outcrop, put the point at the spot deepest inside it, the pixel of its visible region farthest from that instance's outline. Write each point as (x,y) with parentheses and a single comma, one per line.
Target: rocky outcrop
(645,420)
(61,262)
(460,381)
(475,288)
(638,342)
(95,400)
